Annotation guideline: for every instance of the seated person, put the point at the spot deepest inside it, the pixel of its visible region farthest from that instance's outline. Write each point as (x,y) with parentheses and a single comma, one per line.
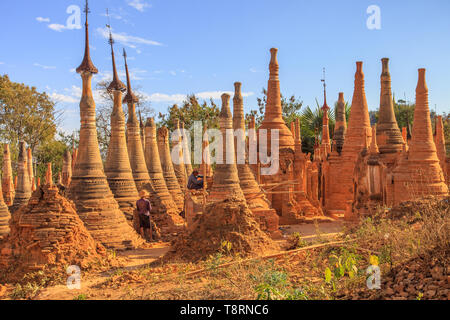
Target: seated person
(195,181)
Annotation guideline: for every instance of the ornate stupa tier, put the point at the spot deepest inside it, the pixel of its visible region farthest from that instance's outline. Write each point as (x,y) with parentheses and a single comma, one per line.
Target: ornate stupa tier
(273,118)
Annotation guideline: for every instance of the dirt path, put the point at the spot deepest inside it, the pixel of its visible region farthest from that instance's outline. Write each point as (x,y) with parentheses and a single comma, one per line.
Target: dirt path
(92,285)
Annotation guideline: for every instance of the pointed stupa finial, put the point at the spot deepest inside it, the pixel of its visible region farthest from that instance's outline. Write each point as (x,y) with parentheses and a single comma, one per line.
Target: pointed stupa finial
(130,97)
(87,65)
(116,84)
(325,106)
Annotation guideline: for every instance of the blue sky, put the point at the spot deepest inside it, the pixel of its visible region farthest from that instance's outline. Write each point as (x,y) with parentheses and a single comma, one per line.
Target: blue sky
(177,47)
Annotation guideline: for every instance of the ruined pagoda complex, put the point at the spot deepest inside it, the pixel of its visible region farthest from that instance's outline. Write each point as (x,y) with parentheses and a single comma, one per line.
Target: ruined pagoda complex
(89,189)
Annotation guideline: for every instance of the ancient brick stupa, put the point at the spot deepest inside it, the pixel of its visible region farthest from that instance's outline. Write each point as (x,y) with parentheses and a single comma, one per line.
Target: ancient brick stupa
(117,166)
(89,189)
(439,141)
(167,168)
(178,164)
(23,188)
(389,136)
(134,142)
(225,179)
(48,232)
(273,119)
(419,173)
(66,172)
(166,212)
(339,196)
(30,165)
(186,151)
(256,200)
(4,217)
(340,127)
(7,177)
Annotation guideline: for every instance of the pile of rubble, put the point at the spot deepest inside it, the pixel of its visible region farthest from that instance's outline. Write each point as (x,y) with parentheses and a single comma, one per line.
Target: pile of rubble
(229,221)
(48,232)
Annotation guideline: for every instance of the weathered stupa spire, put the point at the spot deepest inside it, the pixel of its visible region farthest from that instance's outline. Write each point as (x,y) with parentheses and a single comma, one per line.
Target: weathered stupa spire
(273,119)
(178,165)
(388,133)
(89,188)
(134,142)
(439,141)
(359,131)
(420,174)
(186,151)
(117,166)
(167,168)
(326,144)
(5,216)
(7,177)
(225,179)
(30,165)
(66,172)
(23,189)
(340,128)
(160,197)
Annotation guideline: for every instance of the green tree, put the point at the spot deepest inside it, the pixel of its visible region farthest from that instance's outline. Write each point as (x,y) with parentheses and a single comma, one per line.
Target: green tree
(191,110)
(26,114)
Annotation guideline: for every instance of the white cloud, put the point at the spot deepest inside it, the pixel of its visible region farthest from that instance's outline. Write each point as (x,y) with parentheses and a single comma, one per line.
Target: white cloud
(57,97)
(2,62)
(43,66)
(139,5)
(57,27)
(127,40)
(40,19)
(253,70)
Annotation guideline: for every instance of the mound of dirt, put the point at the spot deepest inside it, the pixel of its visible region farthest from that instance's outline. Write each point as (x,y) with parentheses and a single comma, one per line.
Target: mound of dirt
(230,220)
(45,233)
(425,277)
(414,209)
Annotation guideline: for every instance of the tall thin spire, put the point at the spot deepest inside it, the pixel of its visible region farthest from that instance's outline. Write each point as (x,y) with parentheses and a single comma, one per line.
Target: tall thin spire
(326,145)
(87,65)
(116,84)
(130,97)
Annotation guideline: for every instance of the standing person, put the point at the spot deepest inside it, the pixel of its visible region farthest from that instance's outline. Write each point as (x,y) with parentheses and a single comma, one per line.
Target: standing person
(144,207)
(195,182)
